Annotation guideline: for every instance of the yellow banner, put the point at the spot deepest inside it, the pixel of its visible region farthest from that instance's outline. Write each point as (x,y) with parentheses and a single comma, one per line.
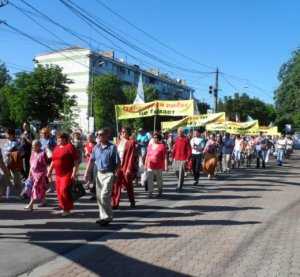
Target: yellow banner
(269,131)
(193,121)
(254,131)
(216,127)
(240,127)
(235,128)
(164,108)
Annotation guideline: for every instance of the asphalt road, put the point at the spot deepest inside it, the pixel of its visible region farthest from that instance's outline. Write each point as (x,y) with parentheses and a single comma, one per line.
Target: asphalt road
(245,224)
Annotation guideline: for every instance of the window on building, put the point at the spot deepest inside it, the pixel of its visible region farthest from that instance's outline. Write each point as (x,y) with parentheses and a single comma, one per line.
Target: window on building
(122,70)
(152,80)
(136,77)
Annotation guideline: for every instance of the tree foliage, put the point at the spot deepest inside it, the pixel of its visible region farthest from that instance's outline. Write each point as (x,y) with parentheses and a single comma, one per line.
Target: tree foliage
(70,113)
(202,107)
(4,75)
(5,79)
(242,106)
(106,92)
(287,95)
(40,95)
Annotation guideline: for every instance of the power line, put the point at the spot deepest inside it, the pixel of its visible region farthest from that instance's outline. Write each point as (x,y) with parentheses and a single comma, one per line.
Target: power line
(247,82)
(17,67)
(151,36)
(100,2)
(39,42)
(84,38)
(126,34)
(83,14)
(78,35)
(229,83)
(40,14)
(37,23)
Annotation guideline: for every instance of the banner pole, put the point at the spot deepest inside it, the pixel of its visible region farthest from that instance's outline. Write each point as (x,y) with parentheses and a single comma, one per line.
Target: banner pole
(117,125)
(155,123)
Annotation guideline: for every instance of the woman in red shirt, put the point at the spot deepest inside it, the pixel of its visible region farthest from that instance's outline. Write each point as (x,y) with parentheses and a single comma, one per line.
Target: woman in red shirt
(65,164)
(89,146)
(127,171)
(156,162)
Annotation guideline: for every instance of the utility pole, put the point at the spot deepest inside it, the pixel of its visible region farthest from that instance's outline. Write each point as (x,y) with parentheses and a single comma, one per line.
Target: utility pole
(216,91)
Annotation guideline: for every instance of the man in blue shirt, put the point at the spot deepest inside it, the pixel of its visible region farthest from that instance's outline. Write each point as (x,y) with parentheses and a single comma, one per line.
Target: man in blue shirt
(143,139)
(227,149)
(105,157)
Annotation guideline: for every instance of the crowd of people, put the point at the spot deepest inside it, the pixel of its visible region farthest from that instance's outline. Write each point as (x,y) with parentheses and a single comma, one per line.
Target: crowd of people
(33,166)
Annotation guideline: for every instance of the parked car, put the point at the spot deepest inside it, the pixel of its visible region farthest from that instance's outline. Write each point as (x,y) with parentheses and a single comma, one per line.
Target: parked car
(296,139)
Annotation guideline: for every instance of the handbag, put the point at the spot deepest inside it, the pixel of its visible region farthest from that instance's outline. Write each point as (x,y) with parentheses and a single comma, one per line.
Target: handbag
(76,190)
(27,190)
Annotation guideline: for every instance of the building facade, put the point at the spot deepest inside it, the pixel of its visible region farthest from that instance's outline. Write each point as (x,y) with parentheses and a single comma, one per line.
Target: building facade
(81,64)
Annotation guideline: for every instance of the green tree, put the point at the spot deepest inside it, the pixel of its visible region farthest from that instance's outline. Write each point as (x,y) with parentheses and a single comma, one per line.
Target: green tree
(287,95)
(70,113)
(106,92)
(40,95)
(242,106)
(202,107)
(5,79)
(4,75)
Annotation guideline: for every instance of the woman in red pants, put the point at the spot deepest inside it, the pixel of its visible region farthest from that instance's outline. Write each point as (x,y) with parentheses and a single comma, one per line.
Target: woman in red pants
(65,164)
(127,171)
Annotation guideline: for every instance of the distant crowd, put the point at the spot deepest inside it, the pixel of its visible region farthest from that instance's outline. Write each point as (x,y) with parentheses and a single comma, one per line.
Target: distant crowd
(35,165)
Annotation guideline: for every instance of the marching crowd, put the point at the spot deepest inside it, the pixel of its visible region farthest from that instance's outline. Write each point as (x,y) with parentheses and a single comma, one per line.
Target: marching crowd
(31,165)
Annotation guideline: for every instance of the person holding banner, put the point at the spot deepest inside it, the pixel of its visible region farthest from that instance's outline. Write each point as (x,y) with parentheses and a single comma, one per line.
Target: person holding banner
(181,154)
(128,169)
(210,156)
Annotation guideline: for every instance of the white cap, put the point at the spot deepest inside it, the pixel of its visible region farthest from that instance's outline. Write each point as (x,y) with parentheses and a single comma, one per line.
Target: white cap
(53,132)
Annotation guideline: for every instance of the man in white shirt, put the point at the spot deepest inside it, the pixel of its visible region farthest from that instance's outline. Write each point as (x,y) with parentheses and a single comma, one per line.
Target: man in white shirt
(281,147)
(197,144)
(237,151)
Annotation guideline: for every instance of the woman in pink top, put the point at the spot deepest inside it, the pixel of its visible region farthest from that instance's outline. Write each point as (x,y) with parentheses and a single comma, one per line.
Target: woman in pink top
(156,162)
(38,175)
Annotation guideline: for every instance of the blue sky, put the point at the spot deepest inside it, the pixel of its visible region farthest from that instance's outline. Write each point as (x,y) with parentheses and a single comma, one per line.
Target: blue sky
(247,39)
